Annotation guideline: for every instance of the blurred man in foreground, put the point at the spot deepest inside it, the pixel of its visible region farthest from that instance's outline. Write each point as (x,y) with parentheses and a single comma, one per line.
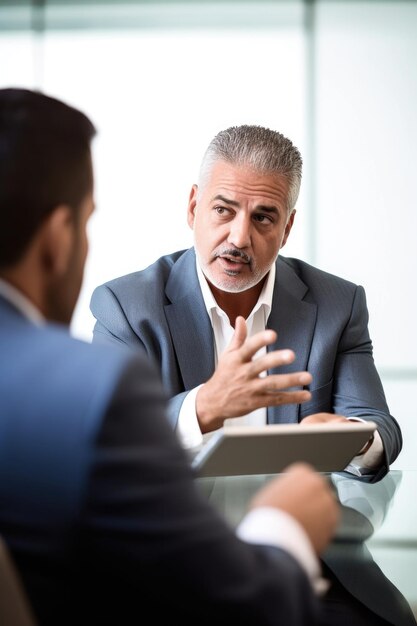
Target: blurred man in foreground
(98,505)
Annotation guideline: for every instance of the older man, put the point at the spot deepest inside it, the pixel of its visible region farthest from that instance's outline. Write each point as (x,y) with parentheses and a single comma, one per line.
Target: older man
(220,316)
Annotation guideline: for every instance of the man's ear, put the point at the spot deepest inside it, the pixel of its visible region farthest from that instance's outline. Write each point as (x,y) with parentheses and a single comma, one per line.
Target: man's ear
(192,203)
(57,240)
(288,227)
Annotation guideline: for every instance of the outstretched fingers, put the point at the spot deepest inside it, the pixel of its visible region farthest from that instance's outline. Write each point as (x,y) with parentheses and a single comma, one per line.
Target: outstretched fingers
(283,389)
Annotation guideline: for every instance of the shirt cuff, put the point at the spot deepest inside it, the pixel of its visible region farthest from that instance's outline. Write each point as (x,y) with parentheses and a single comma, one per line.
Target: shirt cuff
(372,458)
(270,526)
(188,428)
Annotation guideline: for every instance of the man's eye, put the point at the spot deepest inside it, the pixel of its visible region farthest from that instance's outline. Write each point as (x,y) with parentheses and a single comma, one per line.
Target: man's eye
(221,210)
(262,219)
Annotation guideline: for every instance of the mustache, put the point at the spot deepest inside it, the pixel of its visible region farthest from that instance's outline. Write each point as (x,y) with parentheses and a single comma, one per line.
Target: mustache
(236,253)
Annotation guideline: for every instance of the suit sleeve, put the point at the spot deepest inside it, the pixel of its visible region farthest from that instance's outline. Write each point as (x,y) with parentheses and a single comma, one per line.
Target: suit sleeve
(154,540)
(358,390)
(113,327)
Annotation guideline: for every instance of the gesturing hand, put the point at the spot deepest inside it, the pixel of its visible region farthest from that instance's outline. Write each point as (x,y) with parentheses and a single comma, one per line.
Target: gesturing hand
(236,387)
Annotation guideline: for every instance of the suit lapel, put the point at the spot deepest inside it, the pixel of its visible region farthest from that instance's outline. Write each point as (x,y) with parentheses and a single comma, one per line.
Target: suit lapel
(294,319)
(189,323)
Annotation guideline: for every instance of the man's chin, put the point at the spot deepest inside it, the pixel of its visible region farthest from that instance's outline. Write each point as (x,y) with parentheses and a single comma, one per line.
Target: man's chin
(232,284)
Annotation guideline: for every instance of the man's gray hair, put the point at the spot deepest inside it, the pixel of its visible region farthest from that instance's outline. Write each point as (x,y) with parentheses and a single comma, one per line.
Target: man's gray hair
(263,150)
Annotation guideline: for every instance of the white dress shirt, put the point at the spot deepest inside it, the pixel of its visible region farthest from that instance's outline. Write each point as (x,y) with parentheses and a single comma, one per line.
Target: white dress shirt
(188,428)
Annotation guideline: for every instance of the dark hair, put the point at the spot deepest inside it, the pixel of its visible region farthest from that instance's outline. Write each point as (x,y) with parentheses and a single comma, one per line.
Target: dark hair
(45,161)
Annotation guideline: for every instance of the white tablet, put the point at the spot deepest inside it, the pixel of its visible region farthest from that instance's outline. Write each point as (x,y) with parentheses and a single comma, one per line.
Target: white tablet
(240,450)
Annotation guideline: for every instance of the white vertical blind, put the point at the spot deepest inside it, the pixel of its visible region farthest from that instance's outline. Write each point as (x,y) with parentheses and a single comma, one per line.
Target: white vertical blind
(366,155)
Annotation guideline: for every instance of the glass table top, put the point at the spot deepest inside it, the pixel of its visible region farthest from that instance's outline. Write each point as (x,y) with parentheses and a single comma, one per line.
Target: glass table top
(374,551)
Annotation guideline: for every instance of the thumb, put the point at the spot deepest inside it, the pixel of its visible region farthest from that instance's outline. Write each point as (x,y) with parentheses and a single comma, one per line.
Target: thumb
(240,334)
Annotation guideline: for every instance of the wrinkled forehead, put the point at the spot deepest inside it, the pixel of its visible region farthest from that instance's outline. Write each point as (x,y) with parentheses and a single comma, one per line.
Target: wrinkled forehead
(236,181)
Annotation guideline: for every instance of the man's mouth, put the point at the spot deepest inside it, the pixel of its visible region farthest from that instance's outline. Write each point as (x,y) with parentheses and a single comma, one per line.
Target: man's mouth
(233,259)
(234,256)
(233,262)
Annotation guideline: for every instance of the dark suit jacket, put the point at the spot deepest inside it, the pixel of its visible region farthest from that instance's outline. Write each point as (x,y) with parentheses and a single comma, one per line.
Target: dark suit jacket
(98,505)
(323,318)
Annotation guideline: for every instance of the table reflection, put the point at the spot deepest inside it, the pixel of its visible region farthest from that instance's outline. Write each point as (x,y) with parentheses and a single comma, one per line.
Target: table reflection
(367,510)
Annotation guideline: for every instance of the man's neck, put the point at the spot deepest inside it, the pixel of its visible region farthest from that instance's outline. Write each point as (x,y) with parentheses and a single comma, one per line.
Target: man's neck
(235,304)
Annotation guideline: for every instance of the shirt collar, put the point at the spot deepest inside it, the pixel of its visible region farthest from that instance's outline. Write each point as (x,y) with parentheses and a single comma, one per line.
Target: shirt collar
(265,297)
(21,303)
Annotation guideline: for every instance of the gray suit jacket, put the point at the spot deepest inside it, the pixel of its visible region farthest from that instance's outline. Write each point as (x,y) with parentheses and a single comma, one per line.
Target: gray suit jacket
(322,317)
(98,504)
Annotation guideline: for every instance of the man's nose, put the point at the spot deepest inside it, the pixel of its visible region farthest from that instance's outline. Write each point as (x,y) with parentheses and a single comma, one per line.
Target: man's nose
(240,231)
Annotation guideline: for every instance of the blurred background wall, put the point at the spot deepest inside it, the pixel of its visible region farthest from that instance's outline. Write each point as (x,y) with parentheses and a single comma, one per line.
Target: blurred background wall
(160,79)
